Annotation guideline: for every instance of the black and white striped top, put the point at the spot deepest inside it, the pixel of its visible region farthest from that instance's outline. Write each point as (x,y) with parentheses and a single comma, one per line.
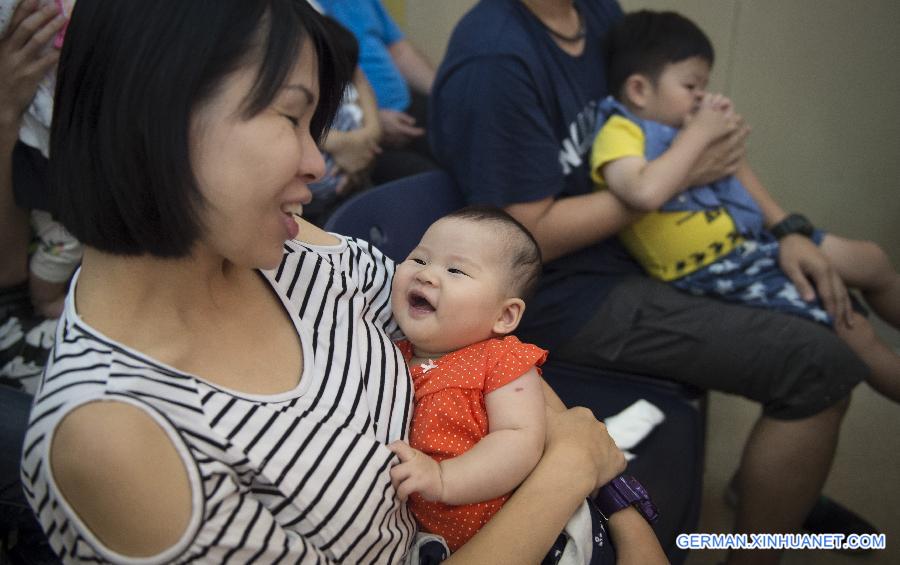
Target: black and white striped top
(297,477)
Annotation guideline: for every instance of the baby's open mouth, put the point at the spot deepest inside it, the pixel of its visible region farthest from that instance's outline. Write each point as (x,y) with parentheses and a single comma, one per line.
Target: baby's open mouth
(418,301)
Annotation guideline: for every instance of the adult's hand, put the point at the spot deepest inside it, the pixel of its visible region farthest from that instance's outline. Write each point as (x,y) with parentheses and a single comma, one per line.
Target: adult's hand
(576,439)
(25,57)
(723,157)
(353,151)
(812,274)
(398,128)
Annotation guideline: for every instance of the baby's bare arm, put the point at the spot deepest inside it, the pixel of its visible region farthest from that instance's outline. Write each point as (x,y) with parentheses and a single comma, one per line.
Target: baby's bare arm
(496,465)
(503,458)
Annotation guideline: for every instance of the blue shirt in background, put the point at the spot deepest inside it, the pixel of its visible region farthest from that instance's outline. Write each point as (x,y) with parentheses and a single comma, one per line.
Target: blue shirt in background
(376,32)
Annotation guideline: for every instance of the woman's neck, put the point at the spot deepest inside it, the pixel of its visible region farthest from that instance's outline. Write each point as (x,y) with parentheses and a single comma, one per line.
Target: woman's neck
(116,294)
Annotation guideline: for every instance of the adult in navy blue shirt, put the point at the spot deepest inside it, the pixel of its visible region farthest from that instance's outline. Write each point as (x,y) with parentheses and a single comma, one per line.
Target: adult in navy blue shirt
(512,117)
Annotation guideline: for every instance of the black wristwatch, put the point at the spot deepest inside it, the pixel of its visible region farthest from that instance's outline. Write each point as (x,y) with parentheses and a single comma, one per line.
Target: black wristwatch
(794,223)
(622,492)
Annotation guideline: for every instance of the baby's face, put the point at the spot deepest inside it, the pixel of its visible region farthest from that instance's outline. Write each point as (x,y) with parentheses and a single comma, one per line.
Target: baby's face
(452,288)
(678,91)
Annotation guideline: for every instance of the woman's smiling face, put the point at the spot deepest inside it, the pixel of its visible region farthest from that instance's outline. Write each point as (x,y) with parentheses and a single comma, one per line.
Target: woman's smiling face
(253,172)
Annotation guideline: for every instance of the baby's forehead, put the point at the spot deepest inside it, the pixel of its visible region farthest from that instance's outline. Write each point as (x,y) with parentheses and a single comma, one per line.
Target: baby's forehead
(459,224)
(492,241)
(473,238)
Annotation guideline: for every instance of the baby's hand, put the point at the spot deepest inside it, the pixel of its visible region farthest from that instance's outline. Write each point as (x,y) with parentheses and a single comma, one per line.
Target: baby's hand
(416,472)
(714,117)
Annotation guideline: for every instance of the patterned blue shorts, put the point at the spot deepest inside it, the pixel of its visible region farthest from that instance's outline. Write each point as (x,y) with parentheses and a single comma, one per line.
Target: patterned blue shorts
(750,275)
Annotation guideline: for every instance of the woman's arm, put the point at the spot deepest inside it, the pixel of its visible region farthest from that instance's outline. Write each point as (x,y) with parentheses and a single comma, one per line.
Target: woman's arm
(634,539)
(496,465)
(124,477)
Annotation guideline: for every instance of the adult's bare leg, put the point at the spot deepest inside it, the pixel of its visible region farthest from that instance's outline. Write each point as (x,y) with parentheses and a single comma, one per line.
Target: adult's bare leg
(783,468)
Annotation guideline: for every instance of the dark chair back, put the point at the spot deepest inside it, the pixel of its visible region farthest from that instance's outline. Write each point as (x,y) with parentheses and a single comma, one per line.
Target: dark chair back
(394,216)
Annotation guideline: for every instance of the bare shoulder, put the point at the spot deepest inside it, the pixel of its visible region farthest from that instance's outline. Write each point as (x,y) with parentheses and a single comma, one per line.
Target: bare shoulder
(313,235)
(120,472)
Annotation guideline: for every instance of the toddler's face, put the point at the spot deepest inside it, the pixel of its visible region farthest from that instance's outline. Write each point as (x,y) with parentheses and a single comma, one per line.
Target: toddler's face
(451,289)
(678,91)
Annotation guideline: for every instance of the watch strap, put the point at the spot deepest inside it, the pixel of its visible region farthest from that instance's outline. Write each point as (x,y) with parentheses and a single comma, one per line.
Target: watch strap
(793,223)
(622,492)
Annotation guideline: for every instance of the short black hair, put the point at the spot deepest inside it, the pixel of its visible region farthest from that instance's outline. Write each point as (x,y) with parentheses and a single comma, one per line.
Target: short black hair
(131,74)
(343,40)
(522,248)
(644,42)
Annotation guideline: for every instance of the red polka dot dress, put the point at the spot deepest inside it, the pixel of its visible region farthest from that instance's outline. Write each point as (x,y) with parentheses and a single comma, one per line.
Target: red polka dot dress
(450,418)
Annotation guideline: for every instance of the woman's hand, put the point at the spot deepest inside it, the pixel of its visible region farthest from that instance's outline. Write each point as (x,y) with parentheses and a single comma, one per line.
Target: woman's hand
(582,446)
(25,58)
(398,128)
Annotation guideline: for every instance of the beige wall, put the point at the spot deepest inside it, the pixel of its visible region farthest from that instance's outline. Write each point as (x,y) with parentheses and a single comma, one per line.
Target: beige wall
(819,82)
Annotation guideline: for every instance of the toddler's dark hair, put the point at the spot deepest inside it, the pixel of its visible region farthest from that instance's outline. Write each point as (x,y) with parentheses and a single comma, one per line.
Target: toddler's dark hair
(644,42)
(522,249)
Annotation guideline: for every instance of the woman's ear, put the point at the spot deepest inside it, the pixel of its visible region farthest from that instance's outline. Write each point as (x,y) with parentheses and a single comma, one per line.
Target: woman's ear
(637,90)
(510,316)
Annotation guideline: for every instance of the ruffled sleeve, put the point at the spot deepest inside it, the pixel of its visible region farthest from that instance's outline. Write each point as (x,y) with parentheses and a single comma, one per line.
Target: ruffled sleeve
(509,359)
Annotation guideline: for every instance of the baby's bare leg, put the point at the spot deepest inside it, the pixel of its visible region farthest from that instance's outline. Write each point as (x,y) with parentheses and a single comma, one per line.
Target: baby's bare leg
(883,362)
(864,265)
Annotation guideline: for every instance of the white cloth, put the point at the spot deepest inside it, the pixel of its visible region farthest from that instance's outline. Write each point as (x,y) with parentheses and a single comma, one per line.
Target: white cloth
(630,426)
(580,531)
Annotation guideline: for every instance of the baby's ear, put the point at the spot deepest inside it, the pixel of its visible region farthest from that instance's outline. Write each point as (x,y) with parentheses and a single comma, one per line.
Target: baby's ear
(510,316)
(637,89)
